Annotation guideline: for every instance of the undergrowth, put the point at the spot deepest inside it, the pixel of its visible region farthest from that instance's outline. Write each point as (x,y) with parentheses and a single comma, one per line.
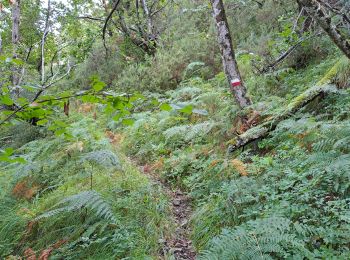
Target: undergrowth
(285,197)
(81,198)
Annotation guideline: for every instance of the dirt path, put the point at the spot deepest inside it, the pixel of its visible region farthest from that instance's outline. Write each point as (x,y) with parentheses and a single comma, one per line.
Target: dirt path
(179,245)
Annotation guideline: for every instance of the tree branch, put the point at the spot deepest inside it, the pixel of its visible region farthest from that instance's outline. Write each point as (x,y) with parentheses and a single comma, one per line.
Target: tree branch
(106,23)
(286,54)
(91,18)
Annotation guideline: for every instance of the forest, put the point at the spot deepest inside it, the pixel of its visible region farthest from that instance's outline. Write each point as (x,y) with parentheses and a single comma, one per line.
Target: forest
(174,129)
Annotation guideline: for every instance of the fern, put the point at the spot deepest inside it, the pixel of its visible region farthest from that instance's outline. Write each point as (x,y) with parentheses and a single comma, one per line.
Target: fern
(189,132)
(185,93)
(104,158)
(85,199)
(260,239)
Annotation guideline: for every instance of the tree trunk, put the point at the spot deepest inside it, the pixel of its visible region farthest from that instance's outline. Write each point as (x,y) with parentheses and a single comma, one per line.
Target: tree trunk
(0,28)
(318,14)
(43,40)
(148,17)
(15,41)
(228,56)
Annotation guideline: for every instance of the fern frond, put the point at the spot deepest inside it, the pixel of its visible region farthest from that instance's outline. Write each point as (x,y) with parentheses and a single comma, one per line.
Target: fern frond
(85,199)
(189,132)
(260,239)
(105,158)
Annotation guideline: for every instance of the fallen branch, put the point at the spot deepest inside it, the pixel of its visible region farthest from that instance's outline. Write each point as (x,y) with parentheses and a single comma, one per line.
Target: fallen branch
(263,130)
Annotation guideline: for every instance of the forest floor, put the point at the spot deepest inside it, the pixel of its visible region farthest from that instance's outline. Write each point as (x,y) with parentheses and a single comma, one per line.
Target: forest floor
(179,245)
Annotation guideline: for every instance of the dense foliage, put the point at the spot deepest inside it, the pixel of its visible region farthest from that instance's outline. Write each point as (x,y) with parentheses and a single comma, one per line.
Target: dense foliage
(106,113)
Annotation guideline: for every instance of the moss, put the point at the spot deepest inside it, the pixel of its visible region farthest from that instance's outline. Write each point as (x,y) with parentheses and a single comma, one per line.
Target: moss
(340,70)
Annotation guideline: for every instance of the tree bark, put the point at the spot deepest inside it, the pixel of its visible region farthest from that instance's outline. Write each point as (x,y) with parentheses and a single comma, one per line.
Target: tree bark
(15,41)
(15,25)
(318,14)
(228,56)
(148,17)
(43,40)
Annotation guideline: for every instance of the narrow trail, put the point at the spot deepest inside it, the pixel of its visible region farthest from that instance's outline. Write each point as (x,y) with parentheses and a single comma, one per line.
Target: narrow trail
(179,245)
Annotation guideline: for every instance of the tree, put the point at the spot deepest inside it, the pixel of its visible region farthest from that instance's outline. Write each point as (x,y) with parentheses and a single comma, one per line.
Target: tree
(1,19)
(16,13)
(316,11)
(228,56)
(137,26)
(45,33)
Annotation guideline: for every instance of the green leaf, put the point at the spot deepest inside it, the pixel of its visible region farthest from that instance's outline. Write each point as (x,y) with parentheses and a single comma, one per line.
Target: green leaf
(17,61)
(165,107)
(20,160)
(128,121)
(42,122)
(90,99)
(9,151)
(6,100)
(22,101)
(97,84)
(155,102)
(187,109)
(117,117)
(60,131)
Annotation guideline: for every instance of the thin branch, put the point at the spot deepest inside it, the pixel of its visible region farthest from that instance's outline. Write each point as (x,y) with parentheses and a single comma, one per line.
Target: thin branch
(297,20)
(53,58)
(159,10)
(79,94)
(40,101)
(91,18)
(286,54)
(106,23)
(43,88)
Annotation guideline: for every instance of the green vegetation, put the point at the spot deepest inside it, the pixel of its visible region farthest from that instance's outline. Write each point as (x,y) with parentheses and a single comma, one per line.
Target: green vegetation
(124,214)
(130,145)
